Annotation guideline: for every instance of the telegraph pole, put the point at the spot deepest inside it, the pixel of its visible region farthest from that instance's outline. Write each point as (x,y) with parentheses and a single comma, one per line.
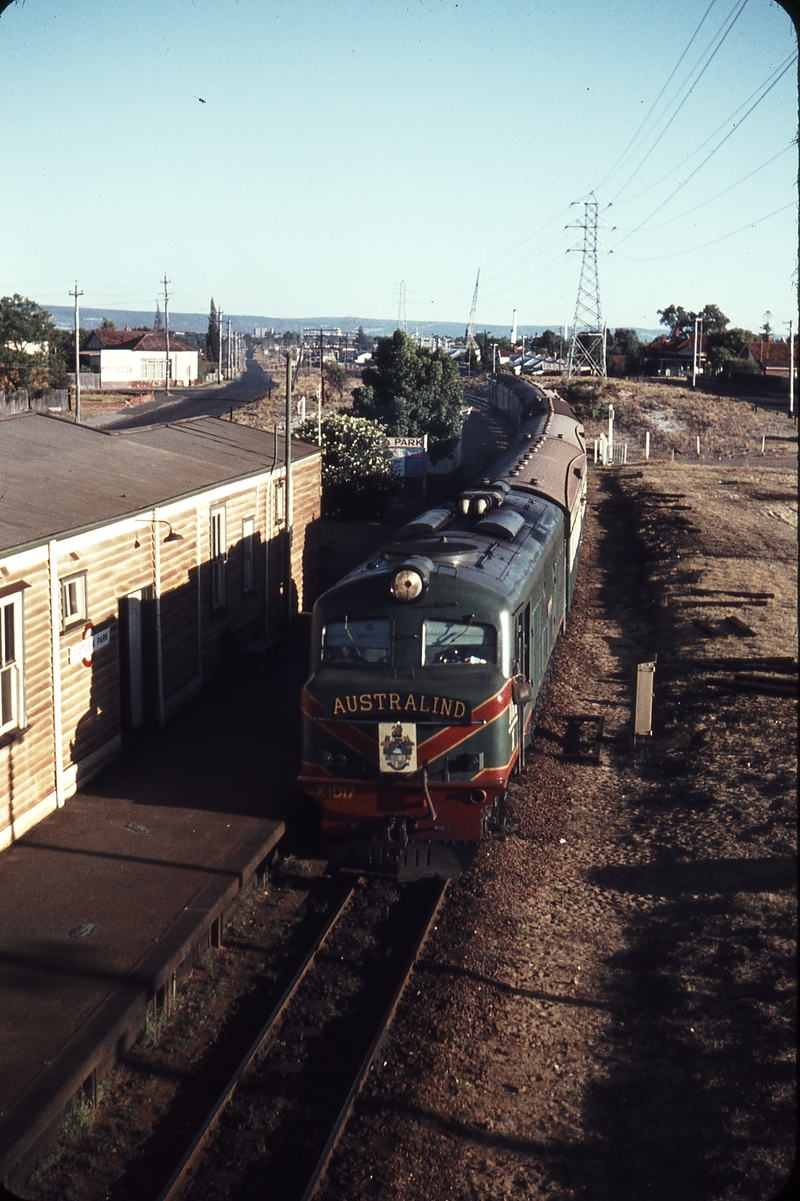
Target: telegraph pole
(791,368)
(76,294)
(321,372)
(697,324)
(230,360)
(166,331)
(288,464)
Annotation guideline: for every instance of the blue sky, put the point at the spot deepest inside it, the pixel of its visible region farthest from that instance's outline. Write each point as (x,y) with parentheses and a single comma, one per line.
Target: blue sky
(345,148)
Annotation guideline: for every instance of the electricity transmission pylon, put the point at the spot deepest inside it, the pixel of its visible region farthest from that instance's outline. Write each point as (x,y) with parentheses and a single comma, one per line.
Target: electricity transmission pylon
(401,308)
(587,347)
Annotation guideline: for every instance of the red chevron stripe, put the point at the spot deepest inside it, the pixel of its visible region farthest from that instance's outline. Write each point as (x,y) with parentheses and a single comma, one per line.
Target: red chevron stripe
(351,736)
(309,705)
(446,740)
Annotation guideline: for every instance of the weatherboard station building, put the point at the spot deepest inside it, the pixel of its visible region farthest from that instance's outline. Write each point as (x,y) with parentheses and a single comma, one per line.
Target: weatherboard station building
(133,566)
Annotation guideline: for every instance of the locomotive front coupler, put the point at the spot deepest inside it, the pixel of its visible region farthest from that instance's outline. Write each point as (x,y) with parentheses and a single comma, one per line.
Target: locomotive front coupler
(395,834)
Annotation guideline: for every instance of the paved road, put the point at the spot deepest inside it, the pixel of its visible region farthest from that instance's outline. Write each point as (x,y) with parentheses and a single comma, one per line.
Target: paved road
(214,401)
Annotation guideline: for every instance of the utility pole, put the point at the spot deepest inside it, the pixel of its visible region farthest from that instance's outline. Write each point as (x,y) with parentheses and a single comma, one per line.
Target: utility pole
(697,323)
(288,464)
(76,294)
(321,362)
(791,368)
(166,331)
(230,360)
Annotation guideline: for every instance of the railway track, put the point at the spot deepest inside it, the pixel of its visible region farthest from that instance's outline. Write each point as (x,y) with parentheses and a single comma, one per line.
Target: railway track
(276,1123)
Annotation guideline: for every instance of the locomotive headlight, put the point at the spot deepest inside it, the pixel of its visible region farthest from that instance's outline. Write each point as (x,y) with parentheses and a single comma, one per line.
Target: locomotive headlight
(341,760)
(407,584)
(326,759)
(410,580)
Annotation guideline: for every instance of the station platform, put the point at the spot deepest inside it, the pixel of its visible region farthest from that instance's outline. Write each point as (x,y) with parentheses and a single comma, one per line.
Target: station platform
(106,900)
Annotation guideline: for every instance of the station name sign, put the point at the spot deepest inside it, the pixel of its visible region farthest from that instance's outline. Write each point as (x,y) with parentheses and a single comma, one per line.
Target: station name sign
(400,443)
(81,652)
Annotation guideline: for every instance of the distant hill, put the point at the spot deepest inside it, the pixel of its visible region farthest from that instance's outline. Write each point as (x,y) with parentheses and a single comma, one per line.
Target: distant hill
(197,323)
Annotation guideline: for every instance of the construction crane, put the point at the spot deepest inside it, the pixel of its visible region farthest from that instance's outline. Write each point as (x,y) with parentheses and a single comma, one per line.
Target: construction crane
(472,345)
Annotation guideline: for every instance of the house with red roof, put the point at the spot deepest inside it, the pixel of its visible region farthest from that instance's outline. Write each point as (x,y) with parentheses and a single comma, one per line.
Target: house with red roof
(772,357)
(137,358)
(674,356)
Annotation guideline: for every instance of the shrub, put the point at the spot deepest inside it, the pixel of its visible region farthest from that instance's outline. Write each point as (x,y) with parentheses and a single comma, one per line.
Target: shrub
(358,476)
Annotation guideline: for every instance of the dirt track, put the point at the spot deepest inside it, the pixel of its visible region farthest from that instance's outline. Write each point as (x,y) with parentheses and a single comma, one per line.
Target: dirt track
(607,1012)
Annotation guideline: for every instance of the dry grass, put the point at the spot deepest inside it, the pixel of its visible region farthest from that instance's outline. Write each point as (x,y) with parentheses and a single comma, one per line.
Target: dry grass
(675,416)
(271,410)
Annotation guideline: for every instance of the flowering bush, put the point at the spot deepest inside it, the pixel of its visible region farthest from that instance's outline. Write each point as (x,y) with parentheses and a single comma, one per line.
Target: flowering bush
(358,478)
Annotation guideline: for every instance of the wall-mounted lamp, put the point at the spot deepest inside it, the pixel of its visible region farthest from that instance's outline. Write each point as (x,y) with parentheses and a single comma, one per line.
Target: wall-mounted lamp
(172,536)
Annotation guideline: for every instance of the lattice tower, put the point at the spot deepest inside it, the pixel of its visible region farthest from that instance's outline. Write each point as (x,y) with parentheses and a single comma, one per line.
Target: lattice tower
(402,323)
(587,347)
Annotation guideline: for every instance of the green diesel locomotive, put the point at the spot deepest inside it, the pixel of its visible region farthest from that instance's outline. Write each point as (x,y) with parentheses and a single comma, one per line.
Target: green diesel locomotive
(429,660)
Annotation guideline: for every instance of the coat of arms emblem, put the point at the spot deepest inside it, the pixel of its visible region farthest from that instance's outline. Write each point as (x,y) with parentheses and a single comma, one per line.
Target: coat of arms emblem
(397,742)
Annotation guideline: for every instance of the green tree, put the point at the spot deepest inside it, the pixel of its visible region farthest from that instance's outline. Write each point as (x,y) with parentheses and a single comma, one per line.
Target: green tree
(29,347)
(107,323)
(335,376)
(412,391)
(681,321)
(713,319)
(627,346)
(358,477)
(212,336)
(363,341)
(158,321)
(549,342)
(724,349)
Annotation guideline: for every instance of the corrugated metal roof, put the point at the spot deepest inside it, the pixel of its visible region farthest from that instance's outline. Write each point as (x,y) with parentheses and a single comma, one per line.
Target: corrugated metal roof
(58,478)
(132,339)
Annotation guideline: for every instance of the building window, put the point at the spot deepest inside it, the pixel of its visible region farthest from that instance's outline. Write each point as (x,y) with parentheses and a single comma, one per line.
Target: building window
(73,600)
(11,701)
(155,369)
(248,554)
(218,557)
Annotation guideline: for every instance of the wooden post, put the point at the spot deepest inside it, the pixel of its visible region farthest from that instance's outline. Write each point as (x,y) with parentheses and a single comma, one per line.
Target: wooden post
(642,715)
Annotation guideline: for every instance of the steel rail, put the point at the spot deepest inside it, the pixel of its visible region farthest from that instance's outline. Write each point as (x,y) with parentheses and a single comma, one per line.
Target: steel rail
(315,1180)
(178,1178)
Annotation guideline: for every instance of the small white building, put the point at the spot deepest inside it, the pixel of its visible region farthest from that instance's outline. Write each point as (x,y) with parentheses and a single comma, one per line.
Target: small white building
(137,358)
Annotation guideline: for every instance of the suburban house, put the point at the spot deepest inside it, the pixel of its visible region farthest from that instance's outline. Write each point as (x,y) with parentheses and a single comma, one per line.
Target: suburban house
(772,357)
(674,356)
(137,358)
(133,566)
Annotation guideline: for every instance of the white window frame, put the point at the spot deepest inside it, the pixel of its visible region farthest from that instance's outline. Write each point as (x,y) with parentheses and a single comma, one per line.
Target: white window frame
(74,607)
(12,676)
(218,556)
(248,555)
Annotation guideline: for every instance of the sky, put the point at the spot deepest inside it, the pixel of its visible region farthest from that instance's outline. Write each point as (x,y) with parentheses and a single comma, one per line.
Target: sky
(367,158)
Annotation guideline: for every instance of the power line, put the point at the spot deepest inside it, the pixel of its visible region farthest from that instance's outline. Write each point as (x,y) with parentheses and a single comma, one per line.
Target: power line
(625,152)
(723,125)
(691,249)
(724,192)
(709,156)
(690,85)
